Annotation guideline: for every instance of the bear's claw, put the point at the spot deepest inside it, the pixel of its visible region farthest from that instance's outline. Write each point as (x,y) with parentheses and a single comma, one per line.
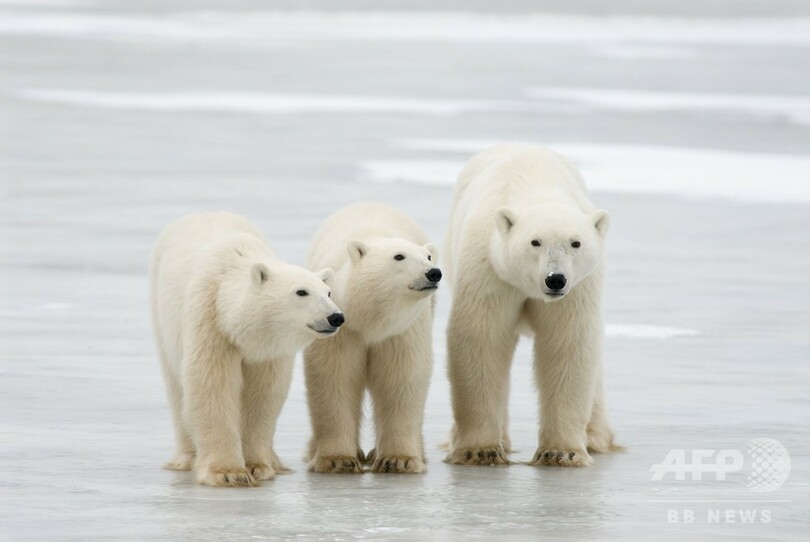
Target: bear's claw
(336,464)
(233,477)
(261,471)
(562,458)
(398,465)
(494,455)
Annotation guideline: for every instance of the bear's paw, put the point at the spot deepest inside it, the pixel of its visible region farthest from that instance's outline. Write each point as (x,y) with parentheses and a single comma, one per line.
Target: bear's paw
(227,477)
(561,458)
(398,464)
(336,464)
(181,462)
(261,471)
(487,455)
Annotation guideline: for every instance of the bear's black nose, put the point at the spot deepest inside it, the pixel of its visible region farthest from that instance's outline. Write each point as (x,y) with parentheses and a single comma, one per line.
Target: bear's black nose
(336,319)
(434,275)
(555,281)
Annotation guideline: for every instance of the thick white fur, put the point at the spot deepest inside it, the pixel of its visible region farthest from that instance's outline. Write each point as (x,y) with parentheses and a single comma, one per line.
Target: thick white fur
(506,197)
(385,345)
(228,323)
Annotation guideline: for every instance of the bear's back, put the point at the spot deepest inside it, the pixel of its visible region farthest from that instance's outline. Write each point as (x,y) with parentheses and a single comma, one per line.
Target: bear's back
(361,222)
(194,248)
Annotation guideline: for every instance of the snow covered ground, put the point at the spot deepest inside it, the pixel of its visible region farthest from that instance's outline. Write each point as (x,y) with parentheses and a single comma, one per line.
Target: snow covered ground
(690,120)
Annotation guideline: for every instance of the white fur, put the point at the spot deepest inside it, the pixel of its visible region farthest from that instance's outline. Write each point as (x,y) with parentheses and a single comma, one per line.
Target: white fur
(385,345)
(505,198)
(228,323)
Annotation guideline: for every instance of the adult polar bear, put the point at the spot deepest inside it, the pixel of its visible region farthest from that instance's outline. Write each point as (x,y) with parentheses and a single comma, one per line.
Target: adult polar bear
(229,318)
(525,254)
(385,275)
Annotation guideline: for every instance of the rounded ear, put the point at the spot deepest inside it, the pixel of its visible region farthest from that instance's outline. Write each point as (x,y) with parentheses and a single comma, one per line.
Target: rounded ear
(504,219)
(259,274)
(601,221)
(326,274)
(434,252)
(356,249)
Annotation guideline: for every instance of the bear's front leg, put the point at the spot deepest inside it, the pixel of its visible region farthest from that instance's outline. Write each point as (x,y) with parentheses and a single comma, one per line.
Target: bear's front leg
(399,378)
(567,352)
(263,394)
(212,384)
(334,369)
(481,341)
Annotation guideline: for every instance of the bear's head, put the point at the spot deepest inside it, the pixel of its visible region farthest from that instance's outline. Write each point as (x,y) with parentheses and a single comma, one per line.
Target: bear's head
(394,267)
(385,284)
(279,309)
(546,250)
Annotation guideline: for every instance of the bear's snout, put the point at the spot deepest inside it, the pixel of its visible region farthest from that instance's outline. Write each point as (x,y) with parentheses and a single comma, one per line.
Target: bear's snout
(434,275)
(556,281)
(336,319)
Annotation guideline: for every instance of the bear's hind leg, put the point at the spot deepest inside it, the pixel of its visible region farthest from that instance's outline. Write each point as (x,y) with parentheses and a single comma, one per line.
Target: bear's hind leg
(184,455)
(600,436)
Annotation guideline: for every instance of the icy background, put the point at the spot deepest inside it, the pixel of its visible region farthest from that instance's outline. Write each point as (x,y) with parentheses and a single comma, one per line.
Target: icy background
(690,120)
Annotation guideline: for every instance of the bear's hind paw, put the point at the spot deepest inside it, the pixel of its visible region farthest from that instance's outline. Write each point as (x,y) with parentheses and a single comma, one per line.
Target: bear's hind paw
(564,458)
(182,462)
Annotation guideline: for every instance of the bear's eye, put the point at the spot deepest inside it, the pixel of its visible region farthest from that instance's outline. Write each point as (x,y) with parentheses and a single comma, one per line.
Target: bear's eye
(536,242)
(328,294)
(302,293)
(429,258)
(576,244)
(399,257)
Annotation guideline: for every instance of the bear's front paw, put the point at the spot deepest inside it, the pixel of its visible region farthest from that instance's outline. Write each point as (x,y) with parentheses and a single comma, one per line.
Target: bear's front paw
(561,458)
(486,455)
(336,464)
(401,464)
(227,477)
(261,471)
(181,462)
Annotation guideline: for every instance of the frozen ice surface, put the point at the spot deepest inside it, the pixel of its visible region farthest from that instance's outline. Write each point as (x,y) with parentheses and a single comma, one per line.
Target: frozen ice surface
(707,298)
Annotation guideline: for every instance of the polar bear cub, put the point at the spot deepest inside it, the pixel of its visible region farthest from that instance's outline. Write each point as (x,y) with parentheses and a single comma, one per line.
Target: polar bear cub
(525,252)
(229,318)
(385,277)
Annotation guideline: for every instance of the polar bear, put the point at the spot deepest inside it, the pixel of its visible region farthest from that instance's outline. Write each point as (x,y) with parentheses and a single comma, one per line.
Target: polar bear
(385,277)
(229,318)
(525,253)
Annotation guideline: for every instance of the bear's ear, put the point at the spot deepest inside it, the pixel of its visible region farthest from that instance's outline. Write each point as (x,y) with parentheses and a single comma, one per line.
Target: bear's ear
(259,274)
(434,252)
(357,249)
(326,274)
(505,219)
(601,220)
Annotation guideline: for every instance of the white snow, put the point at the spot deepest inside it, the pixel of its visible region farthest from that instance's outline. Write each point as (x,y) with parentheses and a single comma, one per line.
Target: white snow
(267,103)
(793,108)
(140,112)
(409,26)
(634,169)
(642,331)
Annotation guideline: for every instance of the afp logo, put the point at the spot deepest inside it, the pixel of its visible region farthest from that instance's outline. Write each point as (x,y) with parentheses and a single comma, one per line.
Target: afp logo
(766,463)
